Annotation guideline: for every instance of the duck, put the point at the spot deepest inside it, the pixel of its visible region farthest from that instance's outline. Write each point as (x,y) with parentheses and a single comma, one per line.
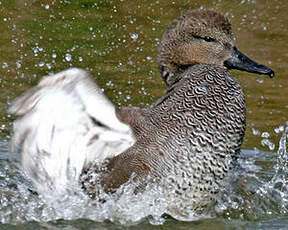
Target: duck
(186,142)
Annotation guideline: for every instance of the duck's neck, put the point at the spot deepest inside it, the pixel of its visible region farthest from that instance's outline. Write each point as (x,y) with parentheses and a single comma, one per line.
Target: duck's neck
(172,77)
(176,76)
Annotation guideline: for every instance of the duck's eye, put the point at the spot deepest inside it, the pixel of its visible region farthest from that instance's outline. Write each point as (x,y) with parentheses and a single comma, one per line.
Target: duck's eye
(208,39)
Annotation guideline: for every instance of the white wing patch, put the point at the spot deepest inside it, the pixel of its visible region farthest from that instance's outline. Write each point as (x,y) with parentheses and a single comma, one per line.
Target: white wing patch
(66,122)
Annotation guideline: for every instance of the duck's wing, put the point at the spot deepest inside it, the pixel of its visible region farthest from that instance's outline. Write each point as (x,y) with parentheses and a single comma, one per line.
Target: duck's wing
(65,123)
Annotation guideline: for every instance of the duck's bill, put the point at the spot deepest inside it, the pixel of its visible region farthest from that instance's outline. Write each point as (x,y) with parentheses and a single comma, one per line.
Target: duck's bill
(241,62)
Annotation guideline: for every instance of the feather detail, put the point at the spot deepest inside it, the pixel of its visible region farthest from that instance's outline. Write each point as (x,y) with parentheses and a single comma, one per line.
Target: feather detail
(65,123)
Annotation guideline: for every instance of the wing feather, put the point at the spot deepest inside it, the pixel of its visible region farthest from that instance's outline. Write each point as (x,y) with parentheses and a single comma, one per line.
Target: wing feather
(65,123)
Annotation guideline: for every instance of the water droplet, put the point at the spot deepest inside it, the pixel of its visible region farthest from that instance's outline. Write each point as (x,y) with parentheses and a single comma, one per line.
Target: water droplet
(68,57)
(18,64)
(266,142)
(41,64)
(255,132)
(110,83)
(4,65)
(49,65)
(47,7)
(265,135)
(54,55)
(134,36)
(279,129)
(260,80)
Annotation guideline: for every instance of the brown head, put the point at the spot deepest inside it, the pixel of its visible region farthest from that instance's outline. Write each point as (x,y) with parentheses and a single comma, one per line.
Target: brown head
(202,36)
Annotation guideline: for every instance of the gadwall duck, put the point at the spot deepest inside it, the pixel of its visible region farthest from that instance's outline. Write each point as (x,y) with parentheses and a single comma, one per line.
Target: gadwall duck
(186,142)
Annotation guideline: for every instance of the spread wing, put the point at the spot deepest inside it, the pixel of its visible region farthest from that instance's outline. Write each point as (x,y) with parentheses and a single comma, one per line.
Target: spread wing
(65,123)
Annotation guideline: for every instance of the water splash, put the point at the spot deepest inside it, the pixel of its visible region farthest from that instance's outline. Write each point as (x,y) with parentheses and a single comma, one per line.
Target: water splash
(124,207)
(277,187)
(256,190)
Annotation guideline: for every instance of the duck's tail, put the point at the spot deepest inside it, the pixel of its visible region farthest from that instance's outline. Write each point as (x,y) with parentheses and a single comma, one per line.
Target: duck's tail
(65,123)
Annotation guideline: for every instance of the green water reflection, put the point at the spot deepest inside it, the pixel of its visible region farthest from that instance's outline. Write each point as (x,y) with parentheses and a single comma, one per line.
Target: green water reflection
(117,42)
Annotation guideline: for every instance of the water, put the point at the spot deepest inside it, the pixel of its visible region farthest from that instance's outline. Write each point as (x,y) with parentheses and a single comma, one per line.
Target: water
(255,195)
(117,42)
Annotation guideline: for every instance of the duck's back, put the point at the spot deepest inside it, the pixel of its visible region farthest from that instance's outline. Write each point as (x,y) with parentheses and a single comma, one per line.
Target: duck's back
(188,139)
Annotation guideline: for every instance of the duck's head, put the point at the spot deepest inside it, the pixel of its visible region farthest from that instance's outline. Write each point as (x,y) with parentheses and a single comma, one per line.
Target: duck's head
(202,36)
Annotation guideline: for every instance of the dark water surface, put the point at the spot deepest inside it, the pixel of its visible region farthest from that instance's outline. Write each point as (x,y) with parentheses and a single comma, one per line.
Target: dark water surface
(117,42)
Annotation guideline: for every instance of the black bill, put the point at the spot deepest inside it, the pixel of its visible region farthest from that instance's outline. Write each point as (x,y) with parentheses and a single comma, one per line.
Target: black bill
(241,62)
